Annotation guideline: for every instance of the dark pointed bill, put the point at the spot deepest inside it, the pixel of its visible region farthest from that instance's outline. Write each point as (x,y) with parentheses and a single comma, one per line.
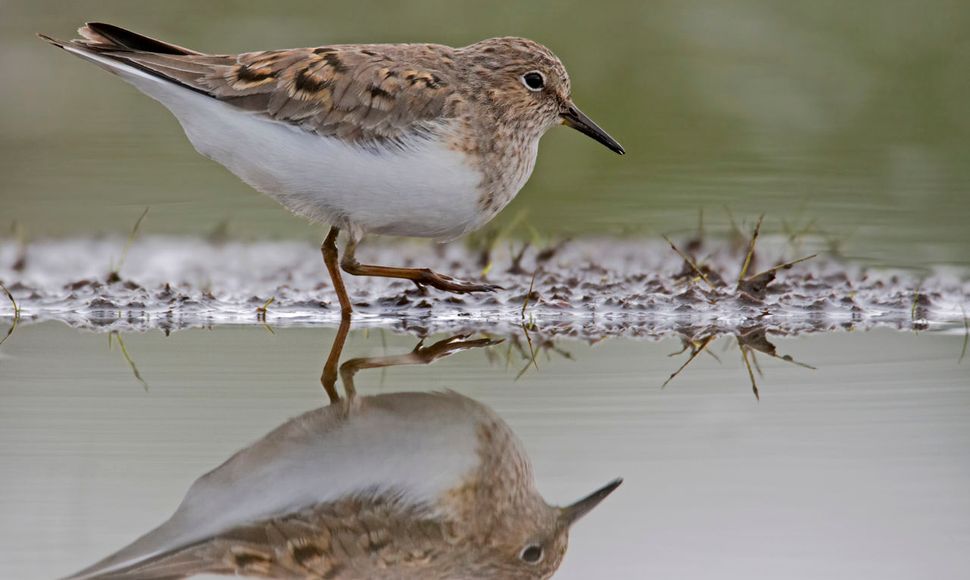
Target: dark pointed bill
(573,117)
(571,513)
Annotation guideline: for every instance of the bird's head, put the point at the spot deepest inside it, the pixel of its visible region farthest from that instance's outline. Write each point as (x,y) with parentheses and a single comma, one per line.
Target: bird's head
(525,85)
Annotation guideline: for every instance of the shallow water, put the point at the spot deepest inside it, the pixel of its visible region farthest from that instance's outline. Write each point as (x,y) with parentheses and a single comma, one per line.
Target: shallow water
(817,428)
(856,469)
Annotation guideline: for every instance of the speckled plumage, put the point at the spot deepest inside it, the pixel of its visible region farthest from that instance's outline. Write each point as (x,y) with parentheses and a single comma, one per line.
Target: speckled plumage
(416,140)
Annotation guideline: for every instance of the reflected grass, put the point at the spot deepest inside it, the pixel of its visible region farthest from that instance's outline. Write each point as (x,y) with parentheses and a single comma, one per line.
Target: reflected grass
(966,335)
(16,313)
(128,359)
(749,341)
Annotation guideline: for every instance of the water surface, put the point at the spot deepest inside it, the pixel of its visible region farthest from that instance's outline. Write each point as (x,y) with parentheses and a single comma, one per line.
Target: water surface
(857,469)
(847,124)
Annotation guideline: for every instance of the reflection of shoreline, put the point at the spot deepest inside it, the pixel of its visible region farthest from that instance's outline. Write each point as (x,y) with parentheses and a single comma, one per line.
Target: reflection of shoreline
(402,485)
(750,341)
(564,328)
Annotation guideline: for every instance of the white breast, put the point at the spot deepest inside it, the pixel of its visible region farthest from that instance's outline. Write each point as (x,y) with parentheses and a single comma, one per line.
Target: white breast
(424,190)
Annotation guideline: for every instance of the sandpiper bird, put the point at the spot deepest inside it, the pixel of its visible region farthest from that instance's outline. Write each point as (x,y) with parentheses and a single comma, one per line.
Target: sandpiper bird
(419,140)
(398,486)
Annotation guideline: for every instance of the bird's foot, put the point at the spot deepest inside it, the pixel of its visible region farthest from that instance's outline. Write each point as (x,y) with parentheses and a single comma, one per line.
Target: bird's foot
(427,277)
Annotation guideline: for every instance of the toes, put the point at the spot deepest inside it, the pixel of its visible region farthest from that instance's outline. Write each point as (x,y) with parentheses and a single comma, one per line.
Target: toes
(483,288)
(449,284)
(488,288)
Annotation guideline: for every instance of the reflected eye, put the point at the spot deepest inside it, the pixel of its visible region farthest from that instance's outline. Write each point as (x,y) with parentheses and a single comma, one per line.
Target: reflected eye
(534,81)
(531,554)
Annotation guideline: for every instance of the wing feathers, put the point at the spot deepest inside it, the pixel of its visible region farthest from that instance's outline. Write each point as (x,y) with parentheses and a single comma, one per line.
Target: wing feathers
(109,35)
(363,93)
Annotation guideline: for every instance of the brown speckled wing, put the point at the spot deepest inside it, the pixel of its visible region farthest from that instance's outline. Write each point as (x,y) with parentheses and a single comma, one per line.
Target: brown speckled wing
(361,93)
(352,93)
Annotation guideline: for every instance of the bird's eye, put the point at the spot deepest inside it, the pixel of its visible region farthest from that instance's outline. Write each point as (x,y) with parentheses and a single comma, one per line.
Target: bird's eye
(531,554)
(534,81)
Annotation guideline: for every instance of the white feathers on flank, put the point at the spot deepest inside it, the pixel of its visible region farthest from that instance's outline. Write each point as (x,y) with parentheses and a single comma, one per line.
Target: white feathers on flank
(424,189)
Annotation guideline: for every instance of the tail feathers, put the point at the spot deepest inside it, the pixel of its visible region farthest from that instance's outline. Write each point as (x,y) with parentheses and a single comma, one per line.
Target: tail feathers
(135,58)
(129,562)
(166,567)
(100,37)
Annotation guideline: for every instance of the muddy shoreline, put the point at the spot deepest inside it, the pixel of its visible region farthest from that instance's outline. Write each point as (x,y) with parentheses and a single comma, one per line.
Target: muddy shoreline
(587,288)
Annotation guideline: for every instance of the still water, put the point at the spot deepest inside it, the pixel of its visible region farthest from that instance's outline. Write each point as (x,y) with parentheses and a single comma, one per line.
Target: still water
(857,468)
(847,124)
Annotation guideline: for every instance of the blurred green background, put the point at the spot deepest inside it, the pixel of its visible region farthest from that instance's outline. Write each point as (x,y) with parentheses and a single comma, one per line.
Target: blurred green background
(851,119)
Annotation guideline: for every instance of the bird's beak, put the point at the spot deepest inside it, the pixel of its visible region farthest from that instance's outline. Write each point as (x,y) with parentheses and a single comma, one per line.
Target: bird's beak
(570,514)
(571,116)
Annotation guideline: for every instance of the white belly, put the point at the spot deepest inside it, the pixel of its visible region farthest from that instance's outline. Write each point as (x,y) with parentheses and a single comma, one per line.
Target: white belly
(425,190)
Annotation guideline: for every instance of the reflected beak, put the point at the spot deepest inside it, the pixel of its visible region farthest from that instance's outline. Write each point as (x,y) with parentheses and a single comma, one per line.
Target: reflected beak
(572,513)
(571,116)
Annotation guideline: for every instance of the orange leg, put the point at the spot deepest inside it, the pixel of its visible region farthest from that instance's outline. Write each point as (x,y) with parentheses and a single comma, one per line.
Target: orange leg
(329,250)
(420,276)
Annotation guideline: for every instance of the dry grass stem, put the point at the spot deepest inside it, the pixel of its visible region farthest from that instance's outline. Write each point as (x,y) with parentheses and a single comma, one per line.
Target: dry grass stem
(750,253)
(532,285)
(115,275)
(690,262)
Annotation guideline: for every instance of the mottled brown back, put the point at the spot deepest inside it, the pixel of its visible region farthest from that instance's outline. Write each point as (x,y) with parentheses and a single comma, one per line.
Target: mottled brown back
(361,93)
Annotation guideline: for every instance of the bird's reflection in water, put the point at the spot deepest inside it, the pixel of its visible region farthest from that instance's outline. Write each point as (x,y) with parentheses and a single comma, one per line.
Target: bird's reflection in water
(402,485)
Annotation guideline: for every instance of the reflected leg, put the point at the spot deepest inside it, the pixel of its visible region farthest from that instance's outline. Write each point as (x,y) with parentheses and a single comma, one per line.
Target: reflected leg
(421,355)
(329,376)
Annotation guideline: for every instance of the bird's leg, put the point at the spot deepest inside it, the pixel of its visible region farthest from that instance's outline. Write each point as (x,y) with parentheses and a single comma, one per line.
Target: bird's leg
(420,276)
(329,250)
